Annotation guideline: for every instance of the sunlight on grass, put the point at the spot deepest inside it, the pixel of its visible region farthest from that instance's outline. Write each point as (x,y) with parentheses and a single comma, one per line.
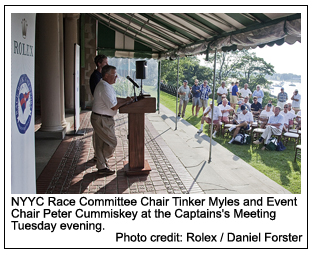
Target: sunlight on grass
(278,166)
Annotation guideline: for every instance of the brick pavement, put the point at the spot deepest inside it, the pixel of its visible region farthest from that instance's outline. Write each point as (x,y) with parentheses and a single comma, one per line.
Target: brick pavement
(71,169)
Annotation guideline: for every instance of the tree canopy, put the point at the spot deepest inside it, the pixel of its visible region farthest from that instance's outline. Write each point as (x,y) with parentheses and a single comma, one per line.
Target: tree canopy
(242,66)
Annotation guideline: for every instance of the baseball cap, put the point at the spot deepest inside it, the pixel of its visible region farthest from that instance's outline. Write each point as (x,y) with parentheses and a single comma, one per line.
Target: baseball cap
(240,102)
(296,90)
(243,107)
(282,88)
(185,81)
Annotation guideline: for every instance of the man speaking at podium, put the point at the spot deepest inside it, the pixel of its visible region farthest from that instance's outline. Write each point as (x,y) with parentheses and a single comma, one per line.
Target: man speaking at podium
(104,109)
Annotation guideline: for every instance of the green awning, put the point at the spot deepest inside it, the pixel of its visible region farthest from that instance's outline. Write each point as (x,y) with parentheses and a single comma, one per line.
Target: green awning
(114,44)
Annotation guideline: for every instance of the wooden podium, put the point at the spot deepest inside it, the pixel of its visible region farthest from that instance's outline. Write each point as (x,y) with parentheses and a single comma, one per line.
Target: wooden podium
(136,125)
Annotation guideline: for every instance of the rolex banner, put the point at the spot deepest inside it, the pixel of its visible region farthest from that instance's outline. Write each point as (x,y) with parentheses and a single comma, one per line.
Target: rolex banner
(23,168)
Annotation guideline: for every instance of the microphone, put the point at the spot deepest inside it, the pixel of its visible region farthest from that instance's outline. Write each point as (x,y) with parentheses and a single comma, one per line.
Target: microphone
(132,81)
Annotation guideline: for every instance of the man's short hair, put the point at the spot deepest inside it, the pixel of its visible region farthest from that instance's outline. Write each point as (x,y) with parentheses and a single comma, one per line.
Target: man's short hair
(278,108)
(99,59)
(106,69)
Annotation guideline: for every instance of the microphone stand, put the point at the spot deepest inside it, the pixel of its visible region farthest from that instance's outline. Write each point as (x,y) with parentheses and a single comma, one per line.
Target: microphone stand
(141,94)
(135,97)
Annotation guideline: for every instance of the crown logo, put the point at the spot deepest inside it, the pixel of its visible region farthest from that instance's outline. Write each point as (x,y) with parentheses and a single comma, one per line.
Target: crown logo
(24,28)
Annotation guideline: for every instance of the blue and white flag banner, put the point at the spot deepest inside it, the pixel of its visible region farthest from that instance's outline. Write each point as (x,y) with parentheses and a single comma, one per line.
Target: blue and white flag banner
(23,167)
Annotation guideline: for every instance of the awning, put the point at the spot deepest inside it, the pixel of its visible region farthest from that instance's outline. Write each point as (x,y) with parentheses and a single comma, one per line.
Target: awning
(167,35)
(171,35)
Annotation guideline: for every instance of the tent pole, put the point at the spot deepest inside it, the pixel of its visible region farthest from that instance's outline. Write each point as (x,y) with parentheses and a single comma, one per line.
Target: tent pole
(176,124)
(158,89)
(213,92)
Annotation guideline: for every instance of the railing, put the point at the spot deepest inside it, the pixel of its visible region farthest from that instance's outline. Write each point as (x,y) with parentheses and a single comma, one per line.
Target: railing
(172,90)
(168,89)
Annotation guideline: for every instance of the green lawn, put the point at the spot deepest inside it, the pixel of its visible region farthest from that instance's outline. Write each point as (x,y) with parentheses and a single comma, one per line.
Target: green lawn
(278,165)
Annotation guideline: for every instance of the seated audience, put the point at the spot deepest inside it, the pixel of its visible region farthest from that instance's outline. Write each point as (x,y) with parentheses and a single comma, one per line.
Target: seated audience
(256,107)
(225,110)
(288,117)
(245,119)
(222,97)
(274,127)
(246,103)
(216,118)
(238,111)
(265,115)
(298,119)
(290,108)
(272,108)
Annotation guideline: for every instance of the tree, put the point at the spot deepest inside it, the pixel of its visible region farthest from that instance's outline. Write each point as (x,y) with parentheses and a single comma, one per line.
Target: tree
(254,70)
(243,66)
(227,65)
(189,69)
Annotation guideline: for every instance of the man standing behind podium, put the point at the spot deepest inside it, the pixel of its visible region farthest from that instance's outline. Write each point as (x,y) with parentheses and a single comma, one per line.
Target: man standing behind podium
(100,61)
(104,109)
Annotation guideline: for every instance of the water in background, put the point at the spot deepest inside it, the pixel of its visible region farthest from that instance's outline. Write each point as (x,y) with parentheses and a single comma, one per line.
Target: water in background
(288,89)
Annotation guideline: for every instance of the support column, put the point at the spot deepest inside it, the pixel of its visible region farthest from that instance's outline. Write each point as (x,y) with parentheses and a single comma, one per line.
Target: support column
(49,52)
(62,92)
(70,38)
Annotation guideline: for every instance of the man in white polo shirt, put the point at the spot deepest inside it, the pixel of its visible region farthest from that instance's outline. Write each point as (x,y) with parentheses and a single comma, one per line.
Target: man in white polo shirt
(245,91)
(216,118)
(245,119)
(265,115)
(102,118)
(274,127)
(221,90)
(296,98)
(225,110)
(288,117)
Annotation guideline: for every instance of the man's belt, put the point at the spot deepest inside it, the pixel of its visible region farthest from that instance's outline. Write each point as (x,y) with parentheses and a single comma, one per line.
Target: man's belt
(102,115)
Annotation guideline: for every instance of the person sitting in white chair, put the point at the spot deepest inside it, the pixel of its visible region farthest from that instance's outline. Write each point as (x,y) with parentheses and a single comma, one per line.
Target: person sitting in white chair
(288,117)
(265,115)
(245,119)
(216,118)
(274,127)
(225,110)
